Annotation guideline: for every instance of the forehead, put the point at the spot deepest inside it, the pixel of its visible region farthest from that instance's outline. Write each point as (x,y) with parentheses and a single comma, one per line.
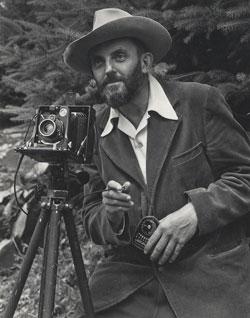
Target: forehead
(113,45)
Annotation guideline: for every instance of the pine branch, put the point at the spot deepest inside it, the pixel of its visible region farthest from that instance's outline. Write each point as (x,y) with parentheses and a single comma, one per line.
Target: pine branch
(16,114)
(12,25)
(69,33)
(197,19)
(46,58)
(193,12)
(169,4)
(230,26)
(238,12)
(31,26)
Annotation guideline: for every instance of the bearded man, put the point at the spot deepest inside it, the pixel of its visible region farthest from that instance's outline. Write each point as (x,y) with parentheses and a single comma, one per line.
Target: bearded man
(170,152)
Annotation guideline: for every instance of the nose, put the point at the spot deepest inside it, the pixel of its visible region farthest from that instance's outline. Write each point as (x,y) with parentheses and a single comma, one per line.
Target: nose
(109,66)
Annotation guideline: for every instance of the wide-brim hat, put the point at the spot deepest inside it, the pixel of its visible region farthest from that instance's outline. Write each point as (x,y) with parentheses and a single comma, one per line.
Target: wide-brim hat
(113,23)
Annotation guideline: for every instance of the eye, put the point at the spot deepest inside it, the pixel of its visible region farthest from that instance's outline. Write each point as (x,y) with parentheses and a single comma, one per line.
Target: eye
(97,62)
(120,57)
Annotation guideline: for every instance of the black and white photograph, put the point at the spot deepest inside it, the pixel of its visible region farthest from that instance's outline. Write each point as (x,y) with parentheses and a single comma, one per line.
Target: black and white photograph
(124,159)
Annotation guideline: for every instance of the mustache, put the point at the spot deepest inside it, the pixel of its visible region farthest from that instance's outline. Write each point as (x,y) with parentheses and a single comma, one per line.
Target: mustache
(112,78)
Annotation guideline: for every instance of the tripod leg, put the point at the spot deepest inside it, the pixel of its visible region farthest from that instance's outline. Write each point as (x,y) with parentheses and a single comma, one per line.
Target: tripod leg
(78,262)
(27,262)
(50,272)
(45,253)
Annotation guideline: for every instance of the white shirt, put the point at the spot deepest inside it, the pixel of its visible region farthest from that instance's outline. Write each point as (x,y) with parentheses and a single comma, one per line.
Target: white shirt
(157,102)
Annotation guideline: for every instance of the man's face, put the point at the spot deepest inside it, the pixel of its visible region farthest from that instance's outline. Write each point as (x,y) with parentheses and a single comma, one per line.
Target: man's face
(116,67)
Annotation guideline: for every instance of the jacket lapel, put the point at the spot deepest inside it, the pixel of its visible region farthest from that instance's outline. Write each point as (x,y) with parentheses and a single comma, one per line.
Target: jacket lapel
(118,148)
(161,134)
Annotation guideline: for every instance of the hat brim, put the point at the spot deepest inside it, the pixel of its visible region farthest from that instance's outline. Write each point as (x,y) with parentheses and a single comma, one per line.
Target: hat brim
(151,33)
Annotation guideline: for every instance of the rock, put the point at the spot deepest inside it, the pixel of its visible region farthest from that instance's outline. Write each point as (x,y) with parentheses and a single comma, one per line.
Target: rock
(3,149)
(5,194)
(7,253)
(19,225)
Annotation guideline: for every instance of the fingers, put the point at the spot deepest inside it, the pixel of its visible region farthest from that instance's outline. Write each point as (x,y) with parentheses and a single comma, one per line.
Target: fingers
(126,187)
(112,195)
(173,232)
(159,248)
(163,247)
(166,249)
(152,241)
(171,252)
(113,185)
(176,252)
(115,199)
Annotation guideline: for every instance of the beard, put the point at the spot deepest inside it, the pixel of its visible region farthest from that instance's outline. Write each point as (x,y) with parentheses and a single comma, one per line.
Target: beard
(117,90)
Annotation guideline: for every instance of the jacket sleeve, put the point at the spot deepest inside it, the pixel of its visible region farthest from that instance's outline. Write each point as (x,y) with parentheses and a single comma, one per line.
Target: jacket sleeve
(97,226)
(228,152)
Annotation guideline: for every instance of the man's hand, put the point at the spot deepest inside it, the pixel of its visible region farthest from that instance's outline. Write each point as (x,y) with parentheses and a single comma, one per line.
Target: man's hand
(173,232)
(117,200)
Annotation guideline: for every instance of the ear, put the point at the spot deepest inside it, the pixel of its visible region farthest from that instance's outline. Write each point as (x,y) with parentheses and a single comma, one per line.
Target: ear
(147,60)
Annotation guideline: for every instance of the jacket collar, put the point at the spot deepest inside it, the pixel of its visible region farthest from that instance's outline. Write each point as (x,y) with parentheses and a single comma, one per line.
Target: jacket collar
(118,148)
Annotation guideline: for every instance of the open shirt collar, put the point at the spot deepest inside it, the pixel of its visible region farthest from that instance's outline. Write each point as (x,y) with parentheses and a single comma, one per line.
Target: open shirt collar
(158,102)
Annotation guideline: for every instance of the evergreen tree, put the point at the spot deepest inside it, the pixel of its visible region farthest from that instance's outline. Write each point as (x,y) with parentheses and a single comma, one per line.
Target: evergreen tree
(210,45)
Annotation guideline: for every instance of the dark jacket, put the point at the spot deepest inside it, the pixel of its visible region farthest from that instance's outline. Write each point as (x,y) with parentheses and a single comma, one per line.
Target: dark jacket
(203,157)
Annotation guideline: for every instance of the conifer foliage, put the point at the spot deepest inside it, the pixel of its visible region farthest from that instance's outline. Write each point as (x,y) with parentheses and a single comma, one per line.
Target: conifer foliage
(211,43)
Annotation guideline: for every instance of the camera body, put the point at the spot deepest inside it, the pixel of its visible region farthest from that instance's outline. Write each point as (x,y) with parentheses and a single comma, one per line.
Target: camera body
(61,133)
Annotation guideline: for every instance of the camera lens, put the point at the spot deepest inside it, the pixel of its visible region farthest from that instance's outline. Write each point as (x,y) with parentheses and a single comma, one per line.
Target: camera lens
(47,127)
